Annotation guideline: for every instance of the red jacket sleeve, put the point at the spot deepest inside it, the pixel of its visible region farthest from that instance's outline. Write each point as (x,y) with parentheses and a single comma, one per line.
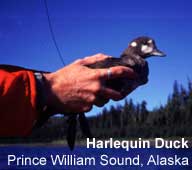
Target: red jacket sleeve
(17,101)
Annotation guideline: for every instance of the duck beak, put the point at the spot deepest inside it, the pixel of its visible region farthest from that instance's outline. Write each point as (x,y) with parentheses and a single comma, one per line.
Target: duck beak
(157,52)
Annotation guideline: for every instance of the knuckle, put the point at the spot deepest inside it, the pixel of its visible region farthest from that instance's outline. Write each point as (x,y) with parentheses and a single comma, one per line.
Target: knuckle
(87,57)
(91,99)
(123,70)
(87,108)
(97,88)
(78,61)
(99,54)
(120,71)
(96,74)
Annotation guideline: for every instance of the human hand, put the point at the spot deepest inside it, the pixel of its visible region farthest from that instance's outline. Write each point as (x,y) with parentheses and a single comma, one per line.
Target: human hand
(75,88)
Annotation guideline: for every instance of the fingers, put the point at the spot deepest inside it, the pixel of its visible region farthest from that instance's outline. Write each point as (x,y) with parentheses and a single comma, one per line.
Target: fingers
(101,101)
(92,59)
(127,91)
(108,94)
(117,72)
(111,94)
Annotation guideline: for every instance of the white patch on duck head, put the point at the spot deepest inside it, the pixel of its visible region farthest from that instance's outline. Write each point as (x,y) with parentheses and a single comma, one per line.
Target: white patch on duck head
(150,41)
(146,49)
(133,44)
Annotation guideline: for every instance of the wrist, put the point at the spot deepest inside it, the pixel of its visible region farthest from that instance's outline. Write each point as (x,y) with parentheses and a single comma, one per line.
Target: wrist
(41,100)
(48,89)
